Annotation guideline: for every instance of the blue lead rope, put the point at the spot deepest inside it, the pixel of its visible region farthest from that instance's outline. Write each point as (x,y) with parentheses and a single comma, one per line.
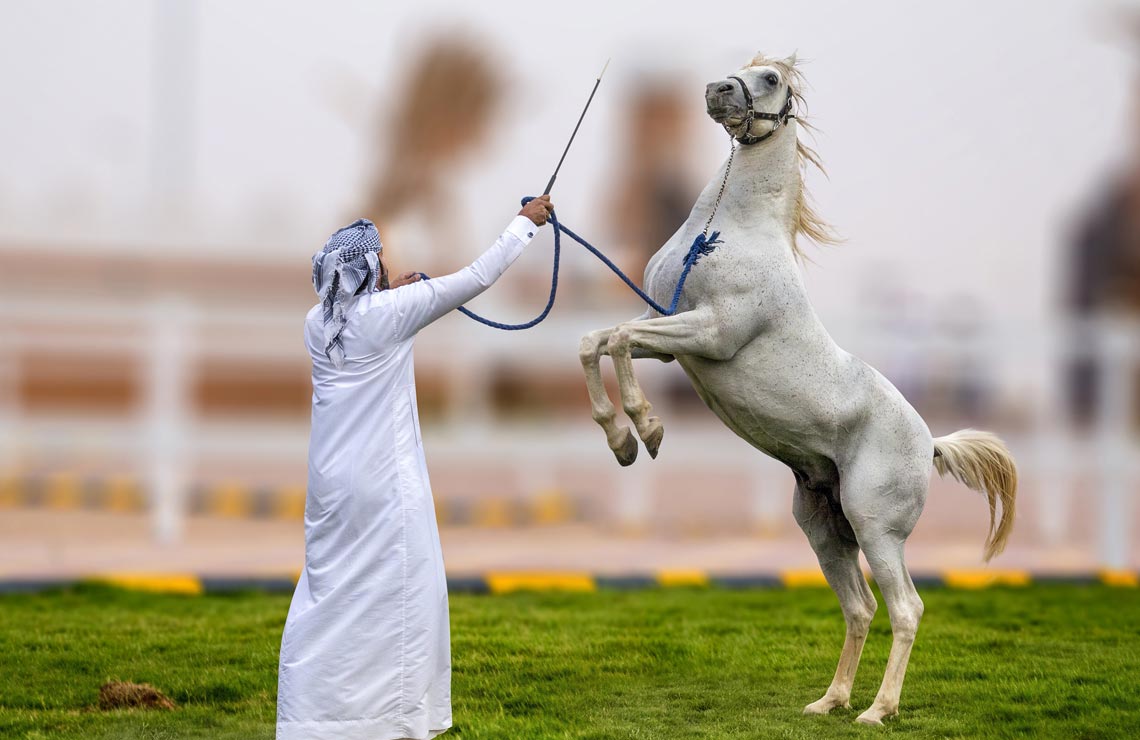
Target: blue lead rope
(702,245)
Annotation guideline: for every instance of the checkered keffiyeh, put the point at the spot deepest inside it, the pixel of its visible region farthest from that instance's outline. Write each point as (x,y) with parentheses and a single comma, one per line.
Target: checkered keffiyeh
(349,259)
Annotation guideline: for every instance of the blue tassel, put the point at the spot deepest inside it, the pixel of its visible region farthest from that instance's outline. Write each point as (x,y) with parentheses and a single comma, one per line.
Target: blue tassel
(702,245)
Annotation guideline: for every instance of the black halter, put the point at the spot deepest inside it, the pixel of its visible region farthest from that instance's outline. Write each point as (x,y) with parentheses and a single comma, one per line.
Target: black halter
(780,118)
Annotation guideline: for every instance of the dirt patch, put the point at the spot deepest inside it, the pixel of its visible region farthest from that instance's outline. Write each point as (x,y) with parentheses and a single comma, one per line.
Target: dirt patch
(125,695)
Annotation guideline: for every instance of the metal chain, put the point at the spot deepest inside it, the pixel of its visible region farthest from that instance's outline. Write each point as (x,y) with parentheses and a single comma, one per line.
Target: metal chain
(723,185)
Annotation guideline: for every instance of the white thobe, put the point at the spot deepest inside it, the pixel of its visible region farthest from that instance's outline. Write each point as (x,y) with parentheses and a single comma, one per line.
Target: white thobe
(366,650)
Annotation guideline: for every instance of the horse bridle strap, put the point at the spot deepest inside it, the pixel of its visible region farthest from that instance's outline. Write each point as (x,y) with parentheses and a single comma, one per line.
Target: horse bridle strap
(779,119)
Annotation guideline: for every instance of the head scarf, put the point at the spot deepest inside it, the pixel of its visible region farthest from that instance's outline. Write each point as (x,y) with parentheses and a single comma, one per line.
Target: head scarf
(349,259)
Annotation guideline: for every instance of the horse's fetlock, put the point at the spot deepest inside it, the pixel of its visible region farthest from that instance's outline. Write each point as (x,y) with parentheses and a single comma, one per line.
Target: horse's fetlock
(638,409)
(603,416)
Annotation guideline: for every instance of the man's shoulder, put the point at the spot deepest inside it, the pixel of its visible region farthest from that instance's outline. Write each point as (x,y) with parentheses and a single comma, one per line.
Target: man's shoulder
(361,304)
(368,302)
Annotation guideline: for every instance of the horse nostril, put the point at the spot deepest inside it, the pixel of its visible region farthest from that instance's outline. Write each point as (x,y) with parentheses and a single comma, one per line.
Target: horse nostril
(725,88)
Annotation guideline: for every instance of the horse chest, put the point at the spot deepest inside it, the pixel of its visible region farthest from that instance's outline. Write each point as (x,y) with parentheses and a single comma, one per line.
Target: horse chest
(664,271)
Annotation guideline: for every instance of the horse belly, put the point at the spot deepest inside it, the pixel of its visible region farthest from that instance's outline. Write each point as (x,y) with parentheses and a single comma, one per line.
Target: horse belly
(785,415)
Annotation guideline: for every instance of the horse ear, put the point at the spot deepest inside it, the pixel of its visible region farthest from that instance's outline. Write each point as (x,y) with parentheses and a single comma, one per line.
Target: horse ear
(790,60)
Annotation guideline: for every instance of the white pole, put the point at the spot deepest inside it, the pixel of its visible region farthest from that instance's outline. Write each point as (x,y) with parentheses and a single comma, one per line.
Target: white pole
(166,415)
(1113,437)
(635,497)
(768,493)
(1055,462)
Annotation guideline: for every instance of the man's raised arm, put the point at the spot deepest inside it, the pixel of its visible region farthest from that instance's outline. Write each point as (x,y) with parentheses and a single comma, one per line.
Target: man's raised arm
(421,303)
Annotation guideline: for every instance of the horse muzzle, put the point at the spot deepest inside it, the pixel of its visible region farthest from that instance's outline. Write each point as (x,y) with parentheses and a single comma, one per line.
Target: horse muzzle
(722,102)
(722,113)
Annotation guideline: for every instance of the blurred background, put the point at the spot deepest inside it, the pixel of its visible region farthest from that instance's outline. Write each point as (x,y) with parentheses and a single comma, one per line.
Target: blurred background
(168,168)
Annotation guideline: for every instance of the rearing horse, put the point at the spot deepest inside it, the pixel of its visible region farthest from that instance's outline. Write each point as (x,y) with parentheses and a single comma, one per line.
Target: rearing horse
(759,357)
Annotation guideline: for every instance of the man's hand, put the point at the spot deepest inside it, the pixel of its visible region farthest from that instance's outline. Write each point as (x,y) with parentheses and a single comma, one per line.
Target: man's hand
(405,278)
(538,210)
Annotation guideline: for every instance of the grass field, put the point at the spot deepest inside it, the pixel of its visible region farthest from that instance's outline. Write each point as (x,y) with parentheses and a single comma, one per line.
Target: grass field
(1045,661)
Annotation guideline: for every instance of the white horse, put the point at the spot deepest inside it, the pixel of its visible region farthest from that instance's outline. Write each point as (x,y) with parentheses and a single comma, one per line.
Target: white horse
(758,356)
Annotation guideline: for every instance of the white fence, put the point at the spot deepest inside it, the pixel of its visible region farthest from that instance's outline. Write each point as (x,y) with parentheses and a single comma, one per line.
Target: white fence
(165,439)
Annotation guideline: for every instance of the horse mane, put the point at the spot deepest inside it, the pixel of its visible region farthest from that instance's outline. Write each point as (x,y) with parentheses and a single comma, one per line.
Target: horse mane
(809,224)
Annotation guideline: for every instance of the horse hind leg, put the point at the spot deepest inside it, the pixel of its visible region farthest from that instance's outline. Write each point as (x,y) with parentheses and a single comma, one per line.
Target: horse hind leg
(835,546)
(905,608)
(620,440)
(883,507)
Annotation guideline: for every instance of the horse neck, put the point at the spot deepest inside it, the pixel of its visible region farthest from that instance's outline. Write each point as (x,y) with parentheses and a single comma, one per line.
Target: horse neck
(764,186)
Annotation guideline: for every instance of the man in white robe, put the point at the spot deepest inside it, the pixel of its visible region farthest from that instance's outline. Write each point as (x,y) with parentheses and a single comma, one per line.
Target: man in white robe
(366,650)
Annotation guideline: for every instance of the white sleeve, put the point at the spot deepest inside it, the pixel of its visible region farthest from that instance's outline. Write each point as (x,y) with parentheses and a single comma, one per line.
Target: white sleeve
(421,303)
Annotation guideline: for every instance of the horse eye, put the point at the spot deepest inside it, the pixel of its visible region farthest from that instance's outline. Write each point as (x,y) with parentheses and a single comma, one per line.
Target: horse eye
(771,79)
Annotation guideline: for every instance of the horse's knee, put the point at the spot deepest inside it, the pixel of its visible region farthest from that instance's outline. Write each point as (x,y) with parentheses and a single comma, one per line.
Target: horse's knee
(588,350)
(620,339)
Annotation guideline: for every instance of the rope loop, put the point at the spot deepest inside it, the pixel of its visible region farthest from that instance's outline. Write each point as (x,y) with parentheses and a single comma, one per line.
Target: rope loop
(702,245)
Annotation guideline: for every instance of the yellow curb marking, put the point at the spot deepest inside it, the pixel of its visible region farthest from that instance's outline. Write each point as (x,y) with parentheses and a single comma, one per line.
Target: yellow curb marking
(673,578)
(552,507)
(502,583)
(159,583)
(808,578)
(64,492)
(122,494)
(289,503)
(1124,578)
(230,500)
(443,512)
(493,512)
(985,578)
(12,493)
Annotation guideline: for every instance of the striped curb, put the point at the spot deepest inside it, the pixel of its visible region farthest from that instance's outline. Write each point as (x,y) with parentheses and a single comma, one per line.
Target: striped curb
(506,582)
(235,500)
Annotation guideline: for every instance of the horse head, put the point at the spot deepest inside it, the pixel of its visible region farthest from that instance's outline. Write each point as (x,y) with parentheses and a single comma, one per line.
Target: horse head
(763,90)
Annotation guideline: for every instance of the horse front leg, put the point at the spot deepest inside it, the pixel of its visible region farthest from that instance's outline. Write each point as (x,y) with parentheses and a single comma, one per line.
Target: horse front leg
(620,439)
(690,333)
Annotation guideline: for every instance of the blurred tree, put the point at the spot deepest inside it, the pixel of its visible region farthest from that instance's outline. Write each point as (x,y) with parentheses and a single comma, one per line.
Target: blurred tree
(1104,270)
(654,190)
(443,114)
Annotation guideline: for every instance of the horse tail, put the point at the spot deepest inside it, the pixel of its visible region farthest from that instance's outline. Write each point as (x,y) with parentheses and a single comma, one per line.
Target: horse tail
(982,462)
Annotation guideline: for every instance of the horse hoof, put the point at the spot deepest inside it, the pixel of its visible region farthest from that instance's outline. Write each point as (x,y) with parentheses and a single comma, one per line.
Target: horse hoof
(874,716)
(825,705)
(653,439)
(626,448)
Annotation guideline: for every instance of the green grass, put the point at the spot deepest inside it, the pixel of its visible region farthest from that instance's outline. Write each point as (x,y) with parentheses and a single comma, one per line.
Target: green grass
(1047,661)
